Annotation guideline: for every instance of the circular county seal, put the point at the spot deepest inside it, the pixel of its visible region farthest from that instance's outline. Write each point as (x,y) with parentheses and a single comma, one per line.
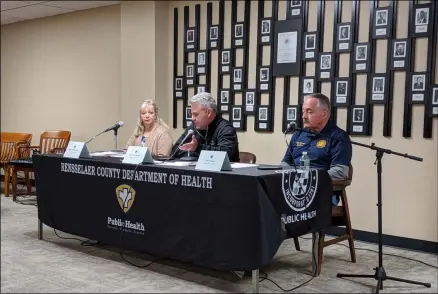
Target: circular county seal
(299,189)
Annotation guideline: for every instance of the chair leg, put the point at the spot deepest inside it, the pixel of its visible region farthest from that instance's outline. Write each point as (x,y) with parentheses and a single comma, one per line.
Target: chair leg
(297,244)
(7,180)
(14,184)
(28,185)
(348,228)
(320,252)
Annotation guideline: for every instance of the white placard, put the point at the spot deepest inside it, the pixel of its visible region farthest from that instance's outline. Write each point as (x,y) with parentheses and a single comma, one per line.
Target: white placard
(435,110)
(287,47)
(421,29)
(249,108)
(381,32)
(377,97)
(201,70)
(213,161)
(361,66)
(325,75)
(238,42)
(358,129)
(341,99)
(137,155)
(265,39)
(224,107)
(310,54)
(213,44)
(178,94)
(263,125)
(418,97)
(189,82)
(236,124)
(190,46)
(237,87)
(225,68)
(264,87)
(295,12)
(76,150)
(399,63)
(344,46)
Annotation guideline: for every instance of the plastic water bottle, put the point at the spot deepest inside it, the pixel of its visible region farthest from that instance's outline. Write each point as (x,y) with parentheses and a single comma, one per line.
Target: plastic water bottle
(304,162)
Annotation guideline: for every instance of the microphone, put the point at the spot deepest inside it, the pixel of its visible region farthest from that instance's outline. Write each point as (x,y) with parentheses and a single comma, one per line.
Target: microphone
(115,127)
(143,141)
(291,127)
(189,133)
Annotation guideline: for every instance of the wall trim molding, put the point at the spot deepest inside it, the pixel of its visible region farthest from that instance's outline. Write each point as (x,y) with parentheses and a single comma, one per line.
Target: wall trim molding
(389,240)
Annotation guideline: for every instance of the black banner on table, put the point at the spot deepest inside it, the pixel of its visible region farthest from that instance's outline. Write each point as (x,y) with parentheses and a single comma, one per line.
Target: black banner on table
(287,48)
(225,220)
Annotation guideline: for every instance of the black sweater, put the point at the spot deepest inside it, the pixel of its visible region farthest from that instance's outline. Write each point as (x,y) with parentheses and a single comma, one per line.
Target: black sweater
(220,136)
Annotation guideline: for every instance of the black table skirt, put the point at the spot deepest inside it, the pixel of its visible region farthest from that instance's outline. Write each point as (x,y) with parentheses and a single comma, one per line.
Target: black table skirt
(224,220)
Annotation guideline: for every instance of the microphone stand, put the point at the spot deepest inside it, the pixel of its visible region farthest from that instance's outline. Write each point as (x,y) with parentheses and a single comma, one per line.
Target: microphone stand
(380,273)
(115,138)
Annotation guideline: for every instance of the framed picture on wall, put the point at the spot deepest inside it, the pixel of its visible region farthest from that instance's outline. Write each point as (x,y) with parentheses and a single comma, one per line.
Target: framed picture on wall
(359,120)
(418,89)
(265,32)
(382,26)
(224,101)
(344,41)
(250,101)
(342,92)
(263,119)
(434,101)
(226,60)
(401,52)
(179,87)
(310,46)
(237,117)
(379,89)
(422,20)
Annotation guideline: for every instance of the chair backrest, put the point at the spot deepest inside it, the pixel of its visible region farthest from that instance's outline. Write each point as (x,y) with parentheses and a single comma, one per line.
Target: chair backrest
(9,143)
(247,157)
(350,173)
(15,137)
(50,140)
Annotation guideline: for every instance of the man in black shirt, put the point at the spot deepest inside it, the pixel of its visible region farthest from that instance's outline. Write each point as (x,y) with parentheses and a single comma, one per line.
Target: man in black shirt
(211,132)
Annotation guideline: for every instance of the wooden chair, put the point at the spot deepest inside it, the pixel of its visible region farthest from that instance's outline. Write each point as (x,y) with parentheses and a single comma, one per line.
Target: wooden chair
(9,151)
(247,157)
(50,142)
(340,217)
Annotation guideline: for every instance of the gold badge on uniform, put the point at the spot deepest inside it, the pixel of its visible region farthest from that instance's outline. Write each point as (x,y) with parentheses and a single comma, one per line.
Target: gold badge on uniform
(321,143)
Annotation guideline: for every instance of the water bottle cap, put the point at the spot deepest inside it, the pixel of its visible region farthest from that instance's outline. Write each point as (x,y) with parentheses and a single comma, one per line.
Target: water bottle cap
(304,152)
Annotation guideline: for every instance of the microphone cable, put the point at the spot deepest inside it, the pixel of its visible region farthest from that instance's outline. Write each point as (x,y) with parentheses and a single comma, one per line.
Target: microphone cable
(314,262)
(293,161)
(87,242)
(121,250)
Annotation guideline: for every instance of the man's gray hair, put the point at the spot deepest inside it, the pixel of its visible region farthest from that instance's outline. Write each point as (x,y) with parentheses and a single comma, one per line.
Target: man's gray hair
(323,100)
(206,101)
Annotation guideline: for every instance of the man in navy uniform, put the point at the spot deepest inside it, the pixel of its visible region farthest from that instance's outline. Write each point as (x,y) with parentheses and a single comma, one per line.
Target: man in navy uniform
(323,152)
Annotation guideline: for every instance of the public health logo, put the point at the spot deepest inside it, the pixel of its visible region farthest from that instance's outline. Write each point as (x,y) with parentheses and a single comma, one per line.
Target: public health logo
(126,196)
(299,188)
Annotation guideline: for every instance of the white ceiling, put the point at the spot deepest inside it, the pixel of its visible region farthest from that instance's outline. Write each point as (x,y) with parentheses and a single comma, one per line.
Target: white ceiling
(14,11)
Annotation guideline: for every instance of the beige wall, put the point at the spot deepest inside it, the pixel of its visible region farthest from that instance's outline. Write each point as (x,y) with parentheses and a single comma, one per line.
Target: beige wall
(86,70)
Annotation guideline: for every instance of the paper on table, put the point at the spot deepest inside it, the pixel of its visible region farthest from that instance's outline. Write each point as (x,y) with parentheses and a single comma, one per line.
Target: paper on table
(242,165)
(177,163)
(105,153)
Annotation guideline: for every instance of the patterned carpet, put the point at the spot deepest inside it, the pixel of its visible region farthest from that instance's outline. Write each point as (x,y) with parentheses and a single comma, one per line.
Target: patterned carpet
(64,265)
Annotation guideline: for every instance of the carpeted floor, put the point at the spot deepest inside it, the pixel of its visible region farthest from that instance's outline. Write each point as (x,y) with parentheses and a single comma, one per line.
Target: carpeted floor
(63,265)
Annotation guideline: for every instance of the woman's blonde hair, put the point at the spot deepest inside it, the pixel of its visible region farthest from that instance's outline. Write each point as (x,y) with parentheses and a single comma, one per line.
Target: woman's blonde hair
(140,128)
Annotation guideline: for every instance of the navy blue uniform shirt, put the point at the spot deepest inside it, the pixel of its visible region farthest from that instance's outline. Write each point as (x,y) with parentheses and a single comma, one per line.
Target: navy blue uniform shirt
(323,152)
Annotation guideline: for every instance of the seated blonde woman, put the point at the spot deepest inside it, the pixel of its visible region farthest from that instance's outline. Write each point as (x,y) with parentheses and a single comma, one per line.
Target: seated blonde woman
(151,131)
